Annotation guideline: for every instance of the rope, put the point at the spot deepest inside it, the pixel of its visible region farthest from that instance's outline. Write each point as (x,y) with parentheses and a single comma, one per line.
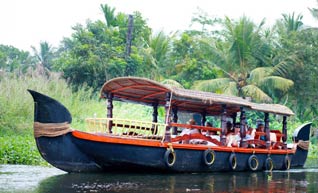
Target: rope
(303,144)
(51,129)
(170,147)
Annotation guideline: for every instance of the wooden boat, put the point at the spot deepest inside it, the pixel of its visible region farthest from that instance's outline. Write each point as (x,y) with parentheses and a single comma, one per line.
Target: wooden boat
(115,144)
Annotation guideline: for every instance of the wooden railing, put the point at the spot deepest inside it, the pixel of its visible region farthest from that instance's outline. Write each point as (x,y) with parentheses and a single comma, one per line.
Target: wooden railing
(126,128)
(156,131)
(179,125)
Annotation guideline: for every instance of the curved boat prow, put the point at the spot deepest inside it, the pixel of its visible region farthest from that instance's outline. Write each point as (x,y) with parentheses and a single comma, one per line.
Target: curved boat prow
(301,138)
(54,138)
(48,110)
(302,132)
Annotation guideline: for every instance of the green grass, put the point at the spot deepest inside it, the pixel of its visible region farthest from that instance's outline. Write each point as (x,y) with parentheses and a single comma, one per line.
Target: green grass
(19,150)
(16,104)
(17,144)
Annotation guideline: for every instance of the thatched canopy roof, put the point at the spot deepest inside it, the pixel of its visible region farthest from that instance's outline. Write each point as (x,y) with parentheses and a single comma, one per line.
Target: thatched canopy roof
(145,91)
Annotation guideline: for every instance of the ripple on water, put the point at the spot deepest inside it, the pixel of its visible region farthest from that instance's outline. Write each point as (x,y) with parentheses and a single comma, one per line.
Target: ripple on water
(35,179)
(21,177)
(97,187)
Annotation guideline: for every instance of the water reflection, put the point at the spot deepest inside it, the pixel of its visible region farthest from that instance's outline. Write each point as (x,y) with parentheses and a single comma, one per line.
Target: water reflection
(50,180)
(292,181)
(22,178)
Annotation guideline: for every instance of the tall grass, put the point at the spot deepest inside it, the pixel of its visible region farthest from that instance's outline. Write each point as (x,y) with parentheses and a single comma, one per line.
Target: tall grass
(17,145)
(16,104)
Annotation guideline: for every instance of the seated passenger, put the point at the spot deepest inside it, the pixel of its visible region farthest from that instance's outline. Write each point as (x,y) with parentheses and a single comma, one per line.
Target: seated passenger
(208,132)
(250,133)
(260,128)
(212,134)
(188,131)
(273,137)
(233,139)
(229,128)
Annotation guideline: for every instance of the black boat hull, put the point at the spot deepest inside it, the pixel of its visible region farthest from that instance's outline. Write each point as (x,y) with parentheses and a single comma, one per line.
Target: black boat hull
(122,157)
(71,153)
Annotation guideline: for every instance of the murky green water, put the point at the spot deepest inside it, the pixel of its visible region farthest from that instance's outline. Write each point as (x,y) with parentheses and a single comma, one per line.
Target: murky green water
(19,178)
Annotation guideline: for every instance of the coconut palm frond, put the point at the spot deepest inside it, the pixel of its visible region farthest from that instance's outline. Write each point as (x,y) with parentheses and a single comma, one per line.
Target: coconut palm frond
(256,94)
(231,89)
(258,74)
(213,85)
(277,82)
(284,67)
(160,46)
(172,83)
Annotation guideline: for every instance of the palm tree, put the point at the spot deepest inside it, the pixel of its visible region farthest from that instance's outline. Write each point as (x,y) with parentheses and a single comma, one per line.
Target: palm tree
(291,23)
(244,54)
(253,86)
(109,14)
(44,55)
(160,47)
(155,56)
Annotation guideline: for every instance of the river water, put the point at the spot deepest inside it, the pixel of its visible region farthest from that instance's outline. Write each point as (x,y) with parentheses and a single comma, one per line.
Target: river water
(35,179)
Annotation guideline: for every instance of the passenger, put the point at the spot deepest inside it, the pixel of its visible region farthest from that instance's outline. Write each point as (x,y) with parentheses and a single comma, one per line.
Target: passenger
(260,128)
(192,131)
(273,137)
(188,131)
(212,134)
(250,133)
(207,132)
(229,128)
(233,139)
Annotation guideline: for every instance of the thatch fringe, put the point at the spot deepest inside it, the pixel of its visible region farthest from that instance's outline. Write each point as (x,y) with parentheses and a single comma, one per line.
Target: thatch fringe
(145,91)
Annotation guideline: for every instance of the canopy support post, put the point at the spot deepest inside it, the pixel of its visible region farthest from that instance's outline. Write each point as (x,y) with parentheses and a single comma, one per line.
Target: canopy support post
(284,138)
(110,111)
(234,118)
(175,120)
(154,117)
(223,125)
(267,131)
(167,117)
(242,128)
(203,120)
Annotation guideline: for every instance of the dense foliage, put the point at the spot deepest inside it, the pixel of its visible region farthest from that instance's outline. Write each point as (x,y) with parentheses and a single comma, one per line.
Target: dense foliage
(19,150)
(234,57)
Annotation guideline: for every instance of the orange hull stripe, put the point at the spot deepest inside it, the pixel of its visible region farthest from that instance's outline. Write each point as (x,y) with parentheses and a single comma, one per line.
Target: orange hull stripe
(153,143)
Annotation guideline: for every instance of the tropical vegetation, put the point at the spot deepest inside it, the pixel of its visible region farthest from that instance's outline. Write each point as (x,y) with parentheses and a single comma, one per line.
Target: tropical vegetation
(270,64)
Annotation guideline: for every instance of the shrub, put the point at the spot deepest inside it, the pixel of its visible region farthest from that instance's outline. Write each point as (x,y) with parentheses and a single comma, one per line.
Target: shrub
(19,150)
